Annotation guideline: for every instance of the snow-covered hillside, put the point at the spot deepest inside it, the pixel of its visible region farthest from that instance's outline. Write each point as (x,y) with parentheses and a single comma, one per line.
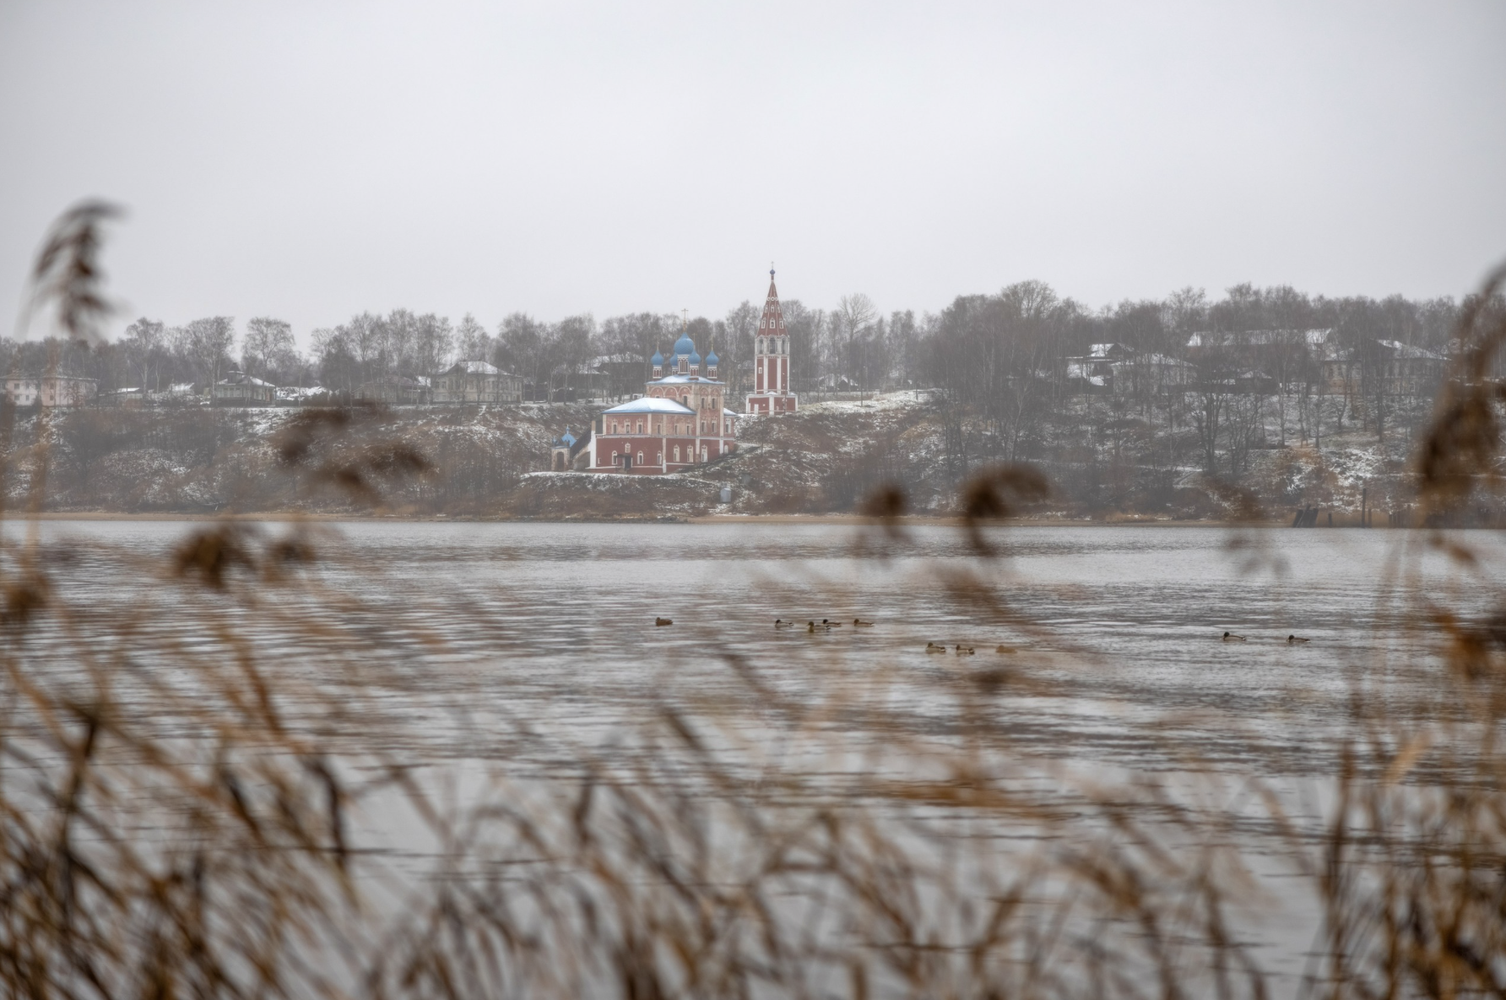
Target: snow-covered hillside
(827,458)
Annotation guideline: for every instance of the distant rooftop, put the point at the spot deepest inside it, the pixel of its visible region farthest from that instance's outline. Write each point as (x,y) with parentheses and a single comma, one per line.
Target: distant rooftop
(472,368)
(1228,338)
(234,377)
(651,404)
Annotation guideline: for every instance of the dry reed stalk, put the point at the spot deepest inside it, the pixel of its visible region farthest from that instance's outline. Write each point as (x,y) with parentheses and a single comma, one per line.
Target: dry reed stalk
(836,836)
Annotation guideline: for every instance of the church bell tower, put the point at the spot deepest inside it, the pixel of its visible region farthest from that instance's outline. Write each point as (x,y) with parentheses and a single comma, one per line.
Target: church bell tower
(771,361)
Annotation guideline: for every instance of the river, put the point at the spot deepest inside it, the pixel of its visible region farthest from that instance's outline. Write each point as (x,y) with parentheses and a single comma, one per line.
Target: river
(533,644)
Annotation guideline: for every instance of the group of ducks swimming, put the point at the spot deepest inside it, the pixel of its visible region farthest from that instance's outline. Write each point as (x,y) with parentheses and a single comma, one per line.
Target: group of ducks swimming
(961,650)
(1291,640)
(824,625)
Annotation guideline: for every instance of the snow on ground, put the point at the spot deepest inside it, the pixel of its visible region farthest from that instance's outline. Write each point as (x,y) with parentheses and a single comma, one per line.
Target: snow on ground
(899,400)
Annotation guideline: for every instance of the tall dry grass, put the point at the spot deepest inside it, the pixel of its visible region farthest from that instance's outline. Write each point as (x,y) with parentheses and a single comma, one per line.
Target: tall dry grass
(187,806)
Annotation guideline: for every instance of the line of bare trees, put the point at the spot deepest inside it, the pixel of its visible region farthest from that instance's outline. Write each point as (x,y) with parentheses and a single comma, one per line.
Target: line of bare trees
(998,357)
(1218,379)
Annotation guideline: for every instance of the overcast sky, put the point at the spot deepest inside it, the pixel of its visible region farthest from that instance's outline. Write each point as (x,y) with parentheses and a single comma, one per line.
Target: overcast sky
(312,160)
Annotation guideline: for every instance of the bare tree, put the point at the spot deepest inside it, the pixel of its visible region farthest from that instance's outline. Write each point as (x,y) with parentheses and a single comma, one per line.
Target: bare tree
(852,324)
(472,340)
(1207,419)
(1244,426)
(268,348)
(737,346)
(432,344)
(143,348)
(572,344)
(207,343)
(807,330)
(520,348)
(338,366)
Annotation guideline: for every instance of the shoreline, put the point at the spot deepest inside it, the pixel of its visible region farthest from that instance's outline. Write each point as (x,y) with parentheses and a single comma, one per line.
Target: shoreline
(274,517)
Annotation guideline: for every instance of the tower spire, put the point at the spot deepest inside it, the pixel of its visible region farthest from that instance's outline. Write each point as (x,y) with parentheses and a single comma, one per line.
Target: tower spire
(771,359)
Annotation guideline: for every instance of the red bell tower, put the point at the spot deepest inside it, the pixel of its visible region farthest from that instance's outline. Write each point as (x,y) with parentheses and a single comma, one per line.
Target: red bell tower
(771,361)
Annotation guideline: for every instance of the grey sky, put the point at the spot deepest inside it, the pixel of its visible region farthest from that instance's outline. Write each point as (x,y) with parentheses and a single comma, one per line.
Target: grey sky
(309,161)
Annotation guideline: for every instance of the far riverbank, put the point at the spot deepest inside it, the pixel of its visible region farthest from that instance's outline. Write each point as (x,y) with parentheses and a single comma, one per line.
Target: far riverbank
(856,520)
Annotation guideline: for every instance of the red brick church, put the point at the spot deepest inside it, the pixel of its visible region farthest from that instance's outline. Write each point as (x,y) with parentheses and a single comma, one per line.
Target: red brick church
(682,419)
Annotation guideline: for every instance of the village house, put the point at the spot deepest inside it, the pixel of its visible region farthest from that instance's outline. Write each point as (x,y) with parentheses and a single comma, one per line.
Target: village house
(239,389)
(126,399)
(583,382)
(50,390)
(476,382)
(621,373)
(1152,373)
(395,390)
(1409,371)
(1390,367)
(302,395)
(833,382)
(1094,371)
(1211,340)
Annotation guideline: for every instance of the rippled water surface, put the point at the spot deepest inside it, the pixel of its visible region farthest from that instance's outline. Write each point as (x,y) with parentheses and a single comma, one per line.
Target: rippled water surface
(560,618)
(487,637)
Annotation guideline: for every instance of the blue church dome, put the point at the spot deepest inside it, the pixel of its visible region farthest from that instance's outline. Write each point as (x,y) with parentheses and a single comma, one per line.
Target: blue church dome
(695,358)
(657,360)
(684,345)
(710,359)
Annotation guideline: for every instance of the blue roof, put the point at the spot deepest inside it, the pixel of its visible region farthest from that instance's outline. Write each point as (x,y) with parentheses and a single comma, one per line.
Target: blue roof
(711,359)
(657,360)
(566,439)
(695,359)
(684,345)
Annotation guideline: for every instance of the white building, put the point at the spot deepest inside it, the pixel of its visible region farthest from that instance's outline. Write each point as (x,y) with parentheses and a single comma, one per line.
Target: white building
(239,389)
(476,382)
(50,390)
